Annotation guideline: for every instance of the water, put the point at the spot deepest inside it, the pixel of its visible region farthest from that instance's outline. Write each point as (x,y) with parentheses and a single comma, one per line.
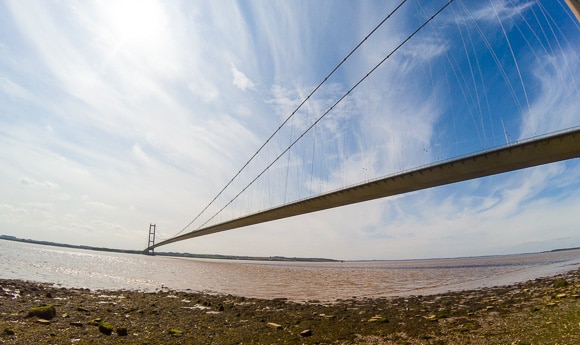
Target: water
(299,281)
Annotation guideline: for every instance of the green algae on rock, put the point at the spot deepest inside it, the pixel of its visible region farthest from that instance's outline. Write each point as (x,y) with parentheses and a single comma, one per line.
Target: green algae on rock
(46,312)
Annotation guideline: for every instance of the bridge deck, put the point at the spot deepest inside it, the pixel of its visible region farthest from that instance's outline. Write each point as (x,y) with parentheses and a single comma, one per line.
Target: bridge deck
(548,149)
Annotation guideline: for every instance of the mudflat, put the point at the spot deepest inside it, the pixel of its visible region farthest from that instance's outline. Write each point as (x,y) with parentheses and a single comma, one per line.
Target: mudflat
(541,311)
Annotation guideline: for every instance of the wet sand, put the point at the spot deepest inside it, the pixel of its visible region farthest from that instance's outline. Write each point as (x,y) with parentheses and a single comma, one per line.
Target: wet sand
(541,311)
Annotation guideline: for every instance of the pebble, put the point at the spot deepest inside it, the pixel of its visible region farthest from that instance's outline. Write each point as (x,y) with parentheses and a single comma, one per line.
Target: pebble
(306,333)
(378,318)
(274,325)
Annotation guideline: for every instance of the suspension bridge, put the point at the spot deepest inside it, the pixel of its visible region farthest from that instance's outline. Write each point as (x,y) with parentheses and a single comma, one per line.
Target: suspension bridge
(560,145)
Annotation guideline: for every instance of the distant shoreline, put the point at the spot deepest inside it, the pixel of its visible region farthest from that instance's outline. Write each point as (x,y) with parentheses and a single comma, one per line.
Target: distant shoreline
(233,257)
(171,254)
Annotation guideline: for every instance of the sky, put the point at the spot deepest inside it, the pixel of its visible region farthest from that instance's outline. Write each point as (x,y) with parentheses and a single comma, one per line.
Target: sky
(118,114)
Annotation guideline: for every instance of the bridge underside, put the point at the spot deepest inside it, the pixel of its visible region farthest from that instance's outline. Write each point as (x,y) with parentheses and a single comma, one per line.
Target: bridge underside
(548,149)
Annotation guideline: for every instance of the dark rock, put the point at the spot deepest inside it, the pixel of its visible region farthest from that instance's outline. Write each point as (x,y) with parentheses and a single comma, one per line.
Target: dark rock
(306,333)
(77,324)
(560,283)
(46,312)
(8,331)
(122,332)
(84,310)
(105,328)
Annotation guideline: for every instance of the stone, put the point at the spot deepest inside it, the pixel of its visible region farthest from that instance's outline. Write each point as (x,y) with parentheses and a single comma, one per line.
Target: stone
(274,325)
(77,324)
(561,295)
(95,322)
(105,328)
(175,332)
(122,332)
(8,331)
(379,319)
(84,310)
(43,321)
(560,283)
(46,312)
(306,333)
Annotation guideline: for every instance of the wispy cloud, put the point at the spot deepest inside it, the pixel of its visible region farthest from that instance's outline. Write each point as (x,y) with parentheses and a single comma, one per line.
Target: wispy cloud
(556,106)
(500,10)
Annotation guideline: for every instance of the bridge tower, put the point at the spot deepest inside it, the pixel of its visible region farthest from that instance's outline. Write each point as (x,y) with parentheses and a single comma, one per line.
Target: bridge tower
(151,240)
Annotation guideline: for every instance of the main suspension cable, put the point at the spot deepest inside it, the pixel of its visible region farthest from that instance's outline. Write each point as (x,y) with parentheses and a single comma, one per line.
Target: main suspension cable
(292,114)
(331,108)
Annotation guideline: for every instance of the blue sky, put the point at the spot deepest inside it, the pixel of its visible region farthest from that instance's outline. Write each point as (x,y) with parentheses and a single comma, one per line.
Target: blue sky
(117,114)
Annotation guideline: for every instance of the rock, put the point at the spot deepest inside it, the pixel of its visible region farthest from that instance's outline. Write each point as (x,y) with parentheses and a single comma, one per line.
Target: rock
(379,319)
(105,328)
(122,332)
(175,332)
(274,325)
(306,333)
(560,283)
(84,310)
(95,322)
(77,324)
(561,295)
(43,321)
(46,312)
(8,331)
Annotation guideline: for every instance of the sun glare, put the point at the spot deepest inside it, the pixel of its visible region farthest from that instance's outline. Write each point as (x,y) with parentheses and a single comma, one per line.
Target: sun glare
(136,20)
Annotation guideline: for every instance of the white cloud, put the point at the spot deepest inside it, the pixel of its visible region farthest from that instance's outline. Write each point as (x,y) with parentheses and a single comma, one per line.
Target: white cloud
(240,80)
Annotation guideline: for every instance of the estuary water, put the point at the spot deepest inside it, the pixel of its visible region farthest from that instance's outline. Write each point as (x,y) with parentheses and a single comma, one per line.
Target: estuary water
(298,281)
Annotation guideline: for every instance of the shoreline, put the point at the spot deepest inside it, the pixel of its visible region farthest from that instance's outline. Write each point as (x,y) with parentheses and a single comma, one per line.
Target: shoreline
(543,310)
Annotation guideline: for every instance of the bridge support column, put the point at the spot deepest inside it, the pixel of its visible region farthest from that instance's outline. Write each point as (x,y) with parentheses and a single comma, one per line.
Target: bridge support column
(151,242)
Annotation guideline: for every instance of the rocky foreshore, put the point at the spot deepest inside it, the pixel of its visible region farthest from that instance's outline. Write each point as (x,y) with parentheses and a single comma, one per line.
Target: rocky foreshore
(543,311)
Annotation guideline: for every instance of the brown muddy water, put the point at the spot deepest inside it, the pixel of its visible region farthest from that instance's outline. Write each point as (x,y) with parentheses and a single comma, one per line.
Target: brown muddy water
(298,281)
